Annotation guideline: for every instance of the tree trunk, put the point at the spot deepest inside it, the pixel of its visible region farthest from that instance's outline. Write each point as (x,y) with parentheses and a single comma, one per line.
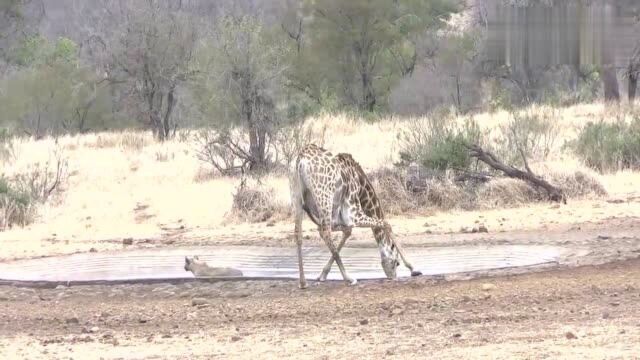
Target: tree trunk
(368,95)
(633,85)
(610,82)
(166,126)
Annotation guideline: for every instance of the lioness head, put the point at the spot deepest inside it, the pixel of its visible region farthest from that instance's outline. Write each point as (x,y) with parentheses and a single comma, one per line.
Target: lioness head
(190,263)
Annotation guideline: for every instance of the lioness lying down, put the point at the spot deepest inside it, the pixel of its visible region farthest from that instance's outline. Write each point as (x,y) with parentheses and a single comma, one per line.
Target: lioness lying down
(199,268)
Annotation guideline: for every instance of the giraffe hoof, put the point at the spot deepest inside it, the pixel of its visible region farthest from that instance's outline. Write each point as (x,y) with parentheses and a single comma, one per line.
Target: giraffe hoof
(416,273)
(303,285)
(351,282)
(321,278)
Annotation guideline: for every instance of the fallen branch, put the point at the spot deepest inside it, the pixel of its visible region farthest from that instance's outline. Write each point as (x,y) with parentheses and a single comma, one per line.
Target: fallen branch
(488,158)
(478,177)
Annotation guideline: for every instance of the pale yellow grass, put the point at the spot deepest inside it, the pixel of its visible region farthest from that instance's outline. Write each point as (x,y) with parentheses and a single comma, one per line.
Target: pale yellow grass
(125,184)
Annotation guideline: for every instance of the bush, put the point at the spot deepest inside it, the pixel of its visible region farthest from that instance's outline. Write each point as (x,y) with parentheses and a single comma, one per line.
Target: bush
(290,140)
(222,150)
(610,146)
(533,132)
(438,193)
(438,144)
(256,204)
(15,206)
(42,179)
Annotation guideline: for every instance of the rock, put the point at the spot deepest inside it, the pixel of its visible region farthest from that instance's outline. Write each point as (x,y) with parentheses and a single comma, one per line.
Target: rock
(93,250)
(482,229)
(397,311)
(235,338)
(127,241)
(198,301)
(72,320)
(605,315)
(457,335)
(271,223)
(488,287)
(569,335)
(364,322)
(94,329)
(143,320)
(604,237)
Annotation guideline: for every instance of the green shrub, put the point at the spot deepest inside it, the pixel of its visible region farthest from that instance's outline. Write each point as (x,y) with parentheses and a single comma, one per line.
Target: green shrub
(610,146)
(15,206)
(438,144)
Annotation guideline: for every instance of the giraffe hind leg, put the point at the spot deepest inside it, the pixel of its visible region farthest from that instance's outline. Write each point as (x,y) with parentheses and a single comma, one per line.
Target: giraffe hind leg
(298,236)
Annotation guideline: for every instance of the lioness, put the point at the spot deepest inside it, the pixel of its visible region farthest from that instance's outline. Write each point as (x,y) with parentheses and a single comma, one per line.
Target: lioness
(199,268)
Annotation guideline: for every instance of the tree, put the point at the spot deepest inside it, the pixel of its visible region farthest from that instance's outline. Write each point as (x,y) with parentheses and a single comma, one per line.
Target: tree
(358,49)
(153,57)
(241,82)
(51,92)
(455,57)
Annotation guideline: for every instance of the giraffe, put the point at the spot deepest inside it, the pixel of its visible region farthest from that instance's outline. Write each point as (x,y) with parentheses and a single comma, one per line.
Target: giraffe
(336,194)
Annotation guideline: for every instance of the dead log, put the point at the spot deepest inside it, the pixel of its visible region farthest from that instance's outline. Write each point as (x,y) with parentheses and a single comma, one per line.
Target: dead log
(488,158)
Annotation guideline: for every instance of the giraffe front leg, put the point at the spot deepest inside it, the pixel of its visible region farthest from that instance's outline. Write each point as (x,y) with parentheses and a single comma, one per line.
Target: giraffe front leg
(405,261)
(325,233)
(346,232)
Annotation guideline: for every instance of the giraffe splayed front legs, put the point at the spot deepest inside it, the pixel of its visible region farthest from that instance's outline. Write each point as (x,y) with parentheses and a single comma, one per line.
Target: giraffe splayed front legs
(337,195)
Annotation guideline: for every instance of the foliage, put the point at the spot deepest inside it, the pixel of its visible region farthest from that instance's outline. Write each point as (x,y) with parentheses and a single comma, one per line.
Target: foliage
(610,146)
(455,58)
(439,144)
(51,93)
(359,49)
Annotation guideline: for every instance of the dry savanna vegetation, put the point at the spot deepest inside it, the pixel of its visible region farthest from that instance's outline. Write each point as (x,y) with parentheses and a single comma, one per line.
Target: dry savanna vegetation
(93,190)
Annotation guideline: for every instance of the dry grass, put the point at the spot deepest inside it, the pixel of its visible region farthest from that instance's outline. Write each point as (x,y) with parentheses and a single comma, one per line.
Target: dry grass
(128,179)
(257,203)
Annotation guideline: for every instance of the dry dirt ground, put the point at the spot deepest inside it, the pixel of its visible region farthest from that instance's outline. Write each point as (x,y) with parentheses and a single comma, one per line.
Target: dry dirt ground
(586,307)
(579,312)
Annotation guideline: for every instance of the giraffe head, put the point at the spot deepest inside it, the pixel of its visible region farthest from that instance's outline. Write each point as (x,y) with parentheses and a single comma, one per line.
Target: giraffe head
(388,253)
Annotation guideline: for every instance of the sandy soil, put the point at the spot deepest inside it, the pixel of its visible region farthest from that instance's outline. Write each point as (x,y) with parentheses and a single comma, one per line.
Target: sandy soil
(585,312)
